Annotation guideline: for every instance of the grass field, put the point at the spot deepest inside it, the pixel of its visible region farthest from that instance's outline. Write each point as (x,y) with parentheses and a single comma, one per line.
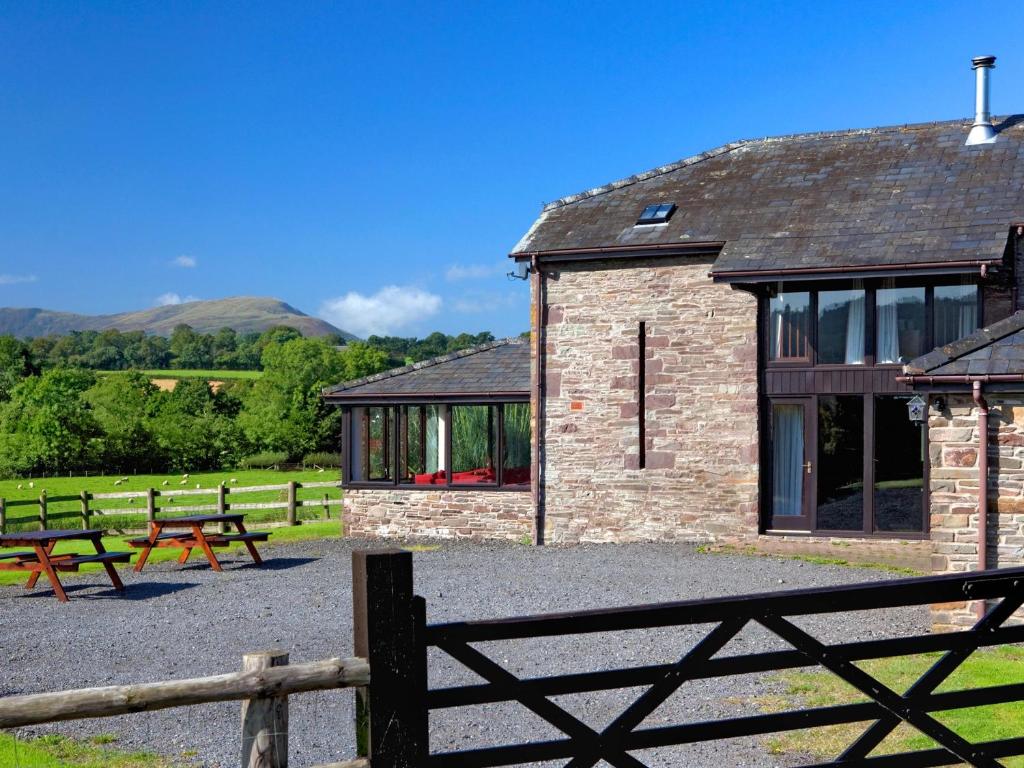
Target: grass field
(63,506)
(191,373)
(60,752)
(997,666)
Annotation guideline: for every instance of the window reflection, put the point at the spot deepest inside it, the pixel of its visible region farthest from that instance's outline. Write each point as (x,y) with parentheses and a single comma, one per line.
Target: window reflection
(841,327)
(788,321)
(956,312)
(900,320)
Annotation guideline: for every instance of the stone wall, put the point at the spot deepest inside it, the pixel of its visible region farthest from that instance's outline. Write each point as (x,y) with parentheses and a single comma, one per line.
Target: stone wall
(701,469)
(449,514)
(953,453)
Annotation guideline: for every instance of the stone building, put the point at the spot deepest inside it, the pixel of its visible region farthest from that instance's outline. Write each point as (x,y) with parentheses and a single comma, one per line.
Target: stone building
(441,447)
(718,352)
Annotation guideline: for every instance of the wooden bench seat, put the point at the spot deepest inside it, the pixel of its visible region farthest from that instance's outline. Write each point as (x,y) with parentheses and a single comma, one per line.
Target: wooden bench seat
(139,543)
(222,539)
(72,563)
(19,555)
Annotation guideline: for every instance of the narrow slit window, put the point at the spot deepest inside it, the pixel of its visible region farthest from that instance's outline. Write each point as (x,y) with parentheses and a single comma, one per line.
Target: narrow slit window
(641,393)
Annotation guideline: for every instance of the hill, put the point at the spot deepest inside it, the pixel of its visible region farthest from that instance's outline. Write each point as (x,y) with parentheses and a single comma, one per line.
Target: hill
(243,313)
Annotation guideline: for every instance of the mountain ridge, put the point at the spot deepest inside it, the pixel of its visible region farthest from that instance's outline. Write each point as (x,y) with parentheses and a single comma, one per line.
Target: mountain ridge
(242,313)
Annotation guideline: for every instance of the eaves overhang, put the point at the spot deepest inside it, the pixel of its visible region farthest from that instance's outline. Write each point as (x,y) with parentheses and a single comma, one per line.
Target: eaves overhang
(605,252)
(357,399)
(845,272)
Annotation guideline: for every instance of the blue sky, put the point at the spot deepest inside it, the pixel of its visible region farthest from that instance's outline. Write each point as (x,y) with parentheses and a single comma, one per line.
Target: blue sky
(374,163)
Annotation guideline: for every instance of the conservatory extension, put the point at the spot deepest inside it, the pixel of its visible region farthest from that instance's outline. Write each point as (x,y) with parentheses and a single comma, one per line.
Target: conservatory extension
(440,447)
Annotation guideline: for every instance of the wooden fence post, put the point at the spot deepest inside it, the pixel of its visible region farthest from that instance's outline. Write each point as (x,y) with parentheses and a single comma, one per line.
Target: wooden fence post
(151,504)
(3,515)
(391,714)
(42,510)
(265,720)
(222,506)
(84,496)
(327,508)
(292,495)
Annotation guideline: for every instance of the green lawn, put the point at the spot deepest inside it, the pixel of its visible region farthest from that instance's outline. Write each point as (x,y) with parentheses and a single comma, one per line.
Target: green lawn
(63,506)
(60,752)
(191,373)
(997,666)
(281,535)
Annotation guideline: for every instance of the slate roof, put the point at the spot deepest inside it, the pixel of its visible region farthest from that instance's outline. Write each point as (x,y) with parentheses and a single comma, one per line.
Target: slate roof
(497,367)
(997,349)
(846,199)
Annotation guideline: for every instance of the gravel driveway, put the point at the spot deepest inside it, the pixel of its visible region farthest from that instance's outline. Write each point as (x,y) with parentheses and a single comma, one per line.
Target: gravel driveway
(181,622)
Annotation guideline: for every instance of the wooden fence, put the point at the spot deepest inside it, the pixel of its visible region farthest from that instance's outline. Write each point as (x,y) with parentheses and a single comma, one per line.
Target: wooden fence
(150,507)
(263,687)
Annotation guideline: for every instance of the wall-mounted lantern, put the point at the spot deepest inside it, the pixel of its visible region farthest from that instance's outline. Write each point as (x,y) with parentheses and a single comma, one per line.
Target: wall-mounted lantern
(917,409)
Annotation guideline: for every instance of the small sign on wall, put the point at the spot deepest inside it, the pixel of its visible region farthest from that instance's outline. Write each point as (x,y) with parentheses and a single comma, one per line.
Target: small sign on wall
(576,405)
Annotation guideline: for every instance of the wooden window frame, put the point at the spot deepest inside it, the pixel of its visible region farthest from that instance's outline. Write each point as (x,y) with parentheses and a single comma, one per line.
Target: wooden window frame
(497,412)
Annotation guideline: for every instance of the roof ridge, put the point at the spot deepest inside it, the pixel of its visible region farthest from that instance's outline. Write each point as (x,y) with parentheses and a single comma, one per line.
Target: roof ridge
(726,148)
(420,365)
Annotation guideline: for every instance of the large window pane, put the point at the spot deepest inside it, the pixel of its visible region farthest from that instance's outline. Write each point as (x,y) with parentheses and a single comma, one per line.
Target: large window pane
(376,455)
(899,467)
(841,327)
(474,444)
(787,460)
(788,322)
(516,460)
(840,463)
(900,323)
(420,445)
(956,312)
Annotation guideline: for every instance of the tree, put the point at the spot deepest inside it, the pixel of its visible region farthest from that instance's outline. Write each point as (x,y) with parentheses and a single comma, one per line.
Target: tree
(191,349)
(123,406)
(284,410)
(50,412)
(15,364)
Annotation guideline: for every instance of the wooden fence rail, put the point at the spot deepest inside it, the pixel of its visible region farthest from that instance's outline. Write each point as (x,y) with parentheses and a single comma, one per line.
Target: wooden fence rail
(263,687)
(44,517)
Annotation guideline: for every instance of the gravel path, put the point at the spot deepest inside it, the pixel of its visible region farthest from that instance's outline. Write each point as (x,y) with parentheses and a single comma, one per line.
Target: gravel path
(181,622)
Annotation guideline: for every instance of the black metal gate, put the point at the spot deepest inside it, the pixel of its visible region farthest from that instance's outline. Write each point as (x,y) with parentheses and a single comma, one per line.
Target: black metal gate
(393,713)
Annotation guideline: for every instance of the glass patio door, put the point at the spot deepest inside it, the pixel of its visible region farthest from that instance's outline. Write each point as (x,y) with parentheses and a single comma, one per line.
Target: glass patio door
(791,452)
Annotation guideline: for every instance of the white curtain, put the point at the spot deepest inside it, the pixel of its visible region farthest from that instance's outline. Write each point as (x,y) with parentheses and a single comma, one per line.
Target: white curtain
(888,326)
(855,329)
(968,320)
(788,454)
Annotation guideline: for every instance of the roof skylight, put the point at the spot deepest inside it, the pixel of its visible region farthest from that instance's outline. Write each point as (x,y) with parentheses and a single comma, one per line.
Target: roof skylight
(658,213)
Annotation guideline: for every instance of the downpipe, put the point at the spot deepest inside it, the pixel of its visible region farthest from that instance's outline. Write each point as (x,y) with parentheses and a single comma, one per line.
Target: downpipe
(979,400)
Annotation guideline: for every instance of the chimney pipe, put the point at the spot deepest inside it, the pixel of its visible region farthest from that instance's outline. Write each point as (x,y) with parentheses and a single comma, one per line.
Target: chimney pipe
(982,131)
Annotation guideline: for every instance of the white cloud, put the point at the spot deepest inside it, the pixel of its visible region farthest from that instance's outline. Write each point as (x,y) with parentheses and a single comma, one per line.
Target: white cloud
(169,299)
(15,279)
(473,271)
(188,262)
(387,311)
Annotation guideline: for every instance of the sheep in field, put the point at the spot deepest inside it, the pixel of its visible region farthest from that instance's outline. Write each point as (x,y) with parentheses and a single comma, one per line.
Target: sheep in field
(233,480)
(117,482)
(166,482)
(31,484)
(19,486)
(183,482)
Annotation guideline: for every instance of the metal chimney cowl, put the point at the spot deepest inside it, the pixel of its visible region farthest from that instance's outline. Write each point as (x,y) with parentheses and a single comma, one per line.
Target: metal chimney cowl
(982,131)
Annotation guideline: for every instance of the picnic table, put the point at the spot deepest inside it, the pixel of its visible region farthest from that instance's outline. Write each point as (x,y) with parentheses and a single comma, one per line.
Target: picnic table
(161,534)
(42,560)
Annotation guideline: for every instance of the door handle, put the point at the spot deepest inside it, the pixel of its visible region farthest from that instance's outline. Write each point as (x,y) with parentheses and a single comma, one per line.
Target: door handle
(807,467)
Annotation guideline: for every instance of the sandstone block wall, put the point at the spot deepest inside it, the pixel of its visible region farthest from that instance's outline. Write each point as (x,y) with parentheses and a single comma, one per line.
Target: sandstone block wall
(953,453)
(474,514)
(701,472)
